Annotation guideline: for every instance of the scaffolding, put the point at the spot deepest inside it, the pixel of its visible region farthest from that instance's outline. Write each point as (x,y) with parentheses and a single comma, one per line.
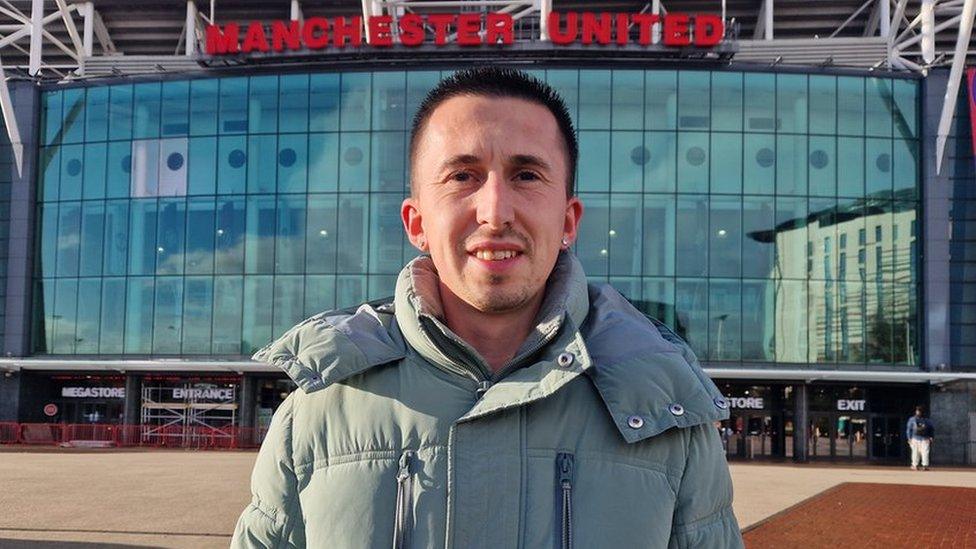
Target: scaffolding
(189,415)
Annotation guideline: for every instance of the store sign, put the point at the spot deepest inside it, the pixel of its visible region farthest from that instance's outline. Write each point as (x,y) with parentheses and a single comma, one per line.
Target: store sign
(198,393)
(93,392)
(463,29)
(855,405)
(746,403)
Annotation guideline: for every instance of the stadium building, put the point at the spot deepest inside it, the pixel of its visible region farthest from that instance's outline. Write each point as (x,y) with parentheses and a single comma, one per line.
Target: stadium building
(789,186)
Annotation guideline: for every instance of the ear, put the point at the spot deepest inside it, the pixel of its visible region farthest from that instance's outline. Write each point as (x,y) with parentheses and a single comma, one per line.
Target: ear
(413,223)
(574,212)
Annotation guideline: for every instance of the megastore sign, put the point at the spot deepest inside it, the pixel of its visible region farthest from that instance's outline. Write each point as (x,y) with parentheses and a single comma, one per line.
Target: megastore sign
(462,29)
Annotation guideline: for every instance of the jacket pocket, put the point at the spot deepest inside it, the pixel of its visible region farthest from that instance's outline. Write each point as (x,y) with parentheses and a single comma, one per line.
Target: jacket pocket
(402,521)
(564,500)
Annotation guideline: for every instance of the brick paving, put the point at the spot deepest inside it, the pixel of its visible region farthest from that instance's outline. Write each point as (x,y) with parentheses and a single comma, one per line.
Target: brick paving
(869,515)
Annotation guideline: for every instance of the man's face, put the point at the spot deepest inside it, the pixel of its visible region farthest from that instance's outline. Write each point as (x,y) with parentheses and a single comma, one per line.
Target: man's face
(489,199)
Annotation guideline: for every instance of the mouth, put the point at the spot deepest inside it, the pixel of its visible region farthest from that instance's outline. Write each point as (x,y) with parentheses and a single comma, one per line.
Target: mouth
(485,254)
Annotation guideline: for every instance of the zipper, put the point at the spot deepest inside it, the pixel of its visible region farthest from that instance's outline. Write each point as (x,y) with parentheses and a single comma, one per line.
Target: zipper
(516,361)
(564,500)
(483,387)
(404,501)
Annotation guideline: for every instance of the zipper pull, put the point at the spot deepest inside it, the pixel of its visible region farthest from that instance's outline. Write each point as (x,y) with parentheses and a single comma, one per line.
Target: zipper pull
(565,462)
(405,459)
(483,387)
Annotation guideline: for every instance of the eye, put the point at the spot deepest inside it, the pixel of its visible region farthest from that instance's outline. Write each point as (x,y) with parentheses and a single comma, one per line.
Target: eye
(526,175)
(462,177)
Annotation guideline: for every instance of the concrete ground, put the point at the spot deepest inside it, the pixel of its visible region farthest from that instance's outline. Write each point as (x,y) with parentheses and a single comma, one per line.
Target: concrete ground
(165,498)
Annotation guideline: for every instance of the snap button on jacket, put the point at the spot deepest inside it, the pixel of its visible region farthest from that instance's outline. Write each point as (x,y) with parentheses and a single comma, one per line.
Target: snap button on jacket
(400,435)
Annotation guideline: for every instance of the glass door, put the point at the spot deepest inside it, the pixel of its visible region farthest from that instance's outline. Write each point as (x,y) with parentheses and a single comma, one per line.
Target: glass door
(887,438)
(819,436)
(851,437)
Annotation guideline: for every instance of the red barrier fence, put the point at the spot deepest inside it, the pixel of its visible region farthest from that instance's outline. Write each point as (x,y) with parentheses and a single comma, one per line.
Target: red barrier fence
(95,435)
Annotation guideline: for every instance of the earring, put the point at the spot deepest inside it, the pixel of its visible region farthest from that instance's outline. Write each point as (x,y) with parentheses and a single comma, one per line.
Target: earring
(422,243)
(565,242)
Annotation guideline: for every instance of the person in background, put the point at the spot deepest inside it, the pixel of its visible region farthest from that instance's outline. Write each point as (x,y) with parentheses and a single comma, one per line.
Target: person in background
(919,432)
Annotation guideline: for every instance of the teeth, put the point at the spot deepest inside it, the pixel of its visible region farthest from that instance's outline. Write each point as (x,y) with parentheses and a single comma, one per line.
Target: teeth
(496,255)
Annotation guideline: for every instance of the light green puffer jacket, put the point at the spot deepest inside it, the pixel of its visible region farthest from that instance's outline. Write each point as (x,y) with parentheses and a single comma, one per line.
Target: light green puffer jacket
(599,433)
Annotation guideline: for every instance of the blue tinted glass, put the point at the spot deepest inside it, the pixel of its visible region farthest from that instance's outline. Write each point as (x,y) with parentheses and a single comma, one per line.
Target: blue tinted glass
(385,234)
(204,98)
(791,237)
(168,315)
(201,166)
(850,167)
(355,101)
(660,170)
(725,236)
(290,235)
(624,235)
(760,100)
(905,169)
(94,167)
(725,319)
(289,301)
(594,162)
(231,223)
(49,240)
(878,106)
(175,108)
(69,237)
(116,243)
(142,236)
(200,235)
(72,171)
(231,164)
(388,159)
(592,241)
(791,321)
(823,104)
(120,112)
(594,105)
(850,105)
(791,102)
(51,113)
(354,161)
(694,105)
(112,317)
(822,159)
(389,101)
(323,162)
(628,100)
(118,169)
(323,110)
(263,104)
(139,299)
(233,105)
(726,101)
(353,227)
(73,125)
(791,164)
(905,109)
(877,167)
(759,236)
(627,161)
(658,238)
(350,290)
(691,313)
(758,163)
(171,236)
(726,172)
(92,237)
(758,320)
(320,239)
(198,311)
(146,118)
(693,160)
(658,299)
(96,114)
(65,313)
(293,104)
(691,237)
(566,84)
(258,312)
(259,243)
(262,164)
(228,315)
(292,163)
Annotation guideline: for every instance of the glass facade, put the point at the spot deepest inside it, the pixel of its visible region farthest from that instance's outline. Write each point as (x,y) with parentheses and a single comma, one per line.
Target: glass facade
(768,217)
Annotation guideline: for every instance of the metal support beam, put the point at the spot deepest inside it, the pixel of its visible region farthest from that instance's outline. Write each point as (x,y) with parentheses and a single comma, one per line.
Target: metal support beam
(101,32)
(955,77)
(88,28)
(37,28)
(851,18)
(296,10)
(69,23)
(764,21)
(545,8)
(893,29)
(656,28)
(927,15)
(874,18)
(191,28)
(884,16)
(10,121)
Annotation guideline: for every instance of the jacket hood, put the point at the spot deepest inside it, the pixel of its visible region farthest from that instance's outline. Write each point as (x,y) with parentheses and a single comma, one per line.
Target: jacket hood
(640,368)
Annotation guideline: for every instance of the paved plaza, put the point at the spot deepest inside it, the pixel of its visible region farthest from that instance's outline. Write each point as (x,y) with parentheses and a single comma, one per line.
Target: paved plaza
(159,498)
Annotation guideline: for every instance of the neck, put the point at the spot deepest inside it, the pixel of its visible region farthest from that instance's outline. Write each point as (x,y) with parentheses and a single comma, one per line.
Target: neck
(496,336)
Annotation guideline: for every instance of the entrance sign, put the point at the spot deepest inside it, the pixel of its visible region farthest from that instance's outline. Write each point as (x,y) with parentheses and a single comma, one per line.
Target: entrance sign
(197,393)
(463,29)
(856,405)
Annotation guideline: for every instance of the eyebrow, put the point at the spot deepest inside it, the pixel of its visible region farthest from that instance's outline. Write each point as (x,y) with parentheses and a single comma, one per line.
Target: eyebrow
(459,160)
(530,160)
(519,160)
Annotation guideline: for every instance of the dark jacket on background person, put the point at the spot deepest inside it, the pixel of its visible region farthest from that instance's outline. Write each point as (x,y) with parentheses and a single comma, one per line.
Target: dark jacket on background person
(598,434)
(912,430)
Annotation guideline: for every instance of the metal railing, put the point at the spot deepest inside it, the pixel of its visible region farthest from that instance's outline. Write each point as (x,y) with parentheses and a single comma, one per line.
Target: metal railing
(117,435)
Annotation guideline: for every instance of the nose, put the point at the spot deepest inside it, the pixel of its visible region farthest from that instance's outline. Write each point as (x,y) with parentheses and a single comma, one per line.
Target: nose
(495,203)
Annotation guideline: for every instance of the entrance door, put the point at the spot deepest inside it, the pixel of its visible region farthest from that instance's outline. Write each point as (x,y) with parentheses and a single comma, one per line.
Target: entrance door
(887,438)
(851,437)
(820,436)
(752,435)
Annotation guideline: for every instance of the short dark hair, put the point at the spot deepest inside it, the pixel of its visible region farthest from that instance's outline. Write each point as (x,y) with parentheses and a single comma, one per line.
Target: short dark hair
(500,82)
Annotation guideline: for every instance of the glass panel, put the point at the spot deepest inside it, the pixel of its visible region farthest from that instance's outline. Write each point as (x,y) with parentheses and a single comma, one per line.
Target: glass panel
(850,307)
(904,329)
(726,163)
(69,237)
(171,236)
(116,245)
(658,300)
(822,159)
(323,162)
(877,324)
(119,170)
(691,313)
(293,107)
(822,238)
(44,313)
(693,100)
(147,102)
(350,290)
(50,167)
(65,311)
(92,237)
(660,172)
(692,162)
(112,324)
(625,234)
(791,102)
(49,241)
(724,319)
(258,309)
(168,321)
(323,109)
(94,176)
(628,100)
(791,238)
(288,303)
(262,165)
(791,164)
(758,244)
(96,114)
(73,125)
(198,298)
(202,168)
(139,315)
(176,108)
(760,102)
(823,104)
(319,294)
(594,108)
(877,167)
(822,318)
(200,236)
(262,107)
(906,168)
(228,306)
(388,161)
(659,237)
(791,321)
(850,167)
(231,165)
(355,101)
(71,172)
(906,109)
(758,328)
(320,240)
(566,84)
(594,168)
(233,105)
(142,237)
(759,164)
(290,236)
(259,247)
(203,106)
(850,105)
(726,101)
(725,237)
(592,242)
(692,236)
(354,167)
(385,234)
(120,112)
(629,157)
(389,112)
(660,100)
(878,106)
(229,257)
(353,218)
(51,113)
(145,168)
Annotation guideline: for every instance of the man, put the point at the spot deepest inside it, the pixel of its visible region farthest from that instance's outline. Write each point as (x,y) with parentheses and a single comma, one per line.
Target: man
(919,432)
(499,401)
